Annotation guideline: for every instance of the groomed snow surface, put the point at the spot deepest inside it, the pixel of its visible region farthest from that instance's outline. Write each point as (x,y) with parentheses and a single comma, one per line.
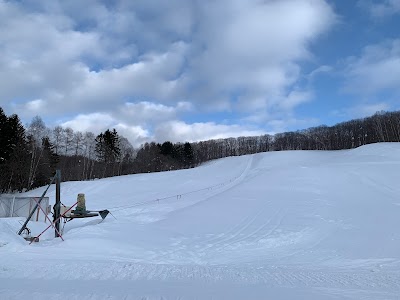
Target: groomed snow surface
(277,225)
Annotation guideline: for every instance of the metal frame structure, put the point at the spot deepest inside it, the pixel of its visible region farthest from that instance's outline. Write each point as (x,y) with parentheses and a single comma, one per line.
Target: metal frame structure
(57,211)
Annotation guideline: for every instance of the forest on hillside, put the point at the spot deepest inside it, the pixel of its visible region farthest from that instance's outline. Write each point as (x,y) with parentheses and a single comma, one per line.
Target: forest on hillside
(30,155)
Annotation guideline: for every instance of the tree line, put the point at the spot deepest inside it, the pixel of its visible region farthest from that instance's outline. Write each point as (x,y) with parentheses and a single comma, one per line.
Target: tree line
(30,155)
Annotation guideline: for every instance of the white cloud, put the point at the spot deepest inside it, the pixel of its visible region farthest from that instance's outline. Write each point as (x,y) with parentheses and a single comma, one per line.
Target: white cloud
(31,108)
(99,122)
(135,121)
(254,47)
(178,131)
(136,135)
(164,130)
(381,9)
(141,65)
(320,70)
(149,113)
(95,122)
(295,98)
(376,70)
(151,77)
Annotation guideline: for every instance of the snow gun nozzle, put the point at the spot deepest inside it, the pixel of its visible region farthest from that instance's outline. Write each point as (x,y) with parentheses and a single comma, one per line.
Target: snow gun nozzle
(104,213)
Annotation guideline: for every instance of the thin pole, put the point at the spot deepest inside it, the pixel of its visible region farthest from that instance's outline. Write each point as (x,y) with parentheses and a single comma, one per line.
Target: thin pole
(12,207)
(57,206)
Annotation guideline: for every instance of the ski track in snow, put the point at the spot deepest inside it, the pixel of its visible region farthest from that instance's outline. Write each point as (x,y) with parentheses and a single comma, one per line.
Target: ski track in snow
(278,225)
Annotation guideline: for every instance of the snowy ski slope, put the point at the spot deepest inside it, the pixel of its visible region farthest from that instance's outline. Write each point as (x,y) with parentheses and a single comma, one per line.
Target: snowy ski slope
(277,225)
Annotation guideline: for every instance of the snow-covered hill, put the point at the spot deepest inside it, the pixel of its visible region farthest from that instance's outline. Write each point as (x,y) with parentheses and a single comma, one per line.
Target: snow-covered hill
(277,225)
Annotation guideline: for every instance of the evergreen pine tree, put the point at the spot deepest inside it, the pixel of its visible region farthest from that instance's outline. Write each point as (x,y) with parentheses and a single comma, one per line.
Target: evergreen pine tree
(107,146)
(5,137)
(108,149)
(15,162)
(188,155)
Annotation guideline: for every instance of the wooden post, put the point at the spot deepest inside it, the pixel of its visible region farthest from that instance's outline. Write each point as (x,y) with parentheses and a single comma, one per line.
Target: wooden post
(57,206)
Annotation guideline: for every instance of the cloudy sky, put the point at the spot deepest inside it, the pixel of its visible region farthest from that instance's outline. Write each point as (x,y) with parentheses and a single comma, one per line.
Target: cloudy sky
(198,69)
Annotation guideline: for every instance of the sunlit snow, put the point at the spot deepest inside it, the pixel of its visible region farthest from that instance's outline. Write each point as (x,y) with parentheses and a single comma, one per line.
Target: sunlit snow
(276,225)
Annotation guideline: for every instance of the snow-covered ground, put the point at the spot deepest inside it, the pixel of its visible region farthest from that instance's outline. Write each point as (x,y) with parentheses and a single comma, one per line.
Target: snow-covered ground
(277,225)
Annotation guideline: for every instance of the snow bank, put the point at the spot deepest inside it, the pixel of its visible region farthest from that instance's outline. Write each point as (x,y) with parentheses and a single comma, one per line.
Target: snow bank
(9,239)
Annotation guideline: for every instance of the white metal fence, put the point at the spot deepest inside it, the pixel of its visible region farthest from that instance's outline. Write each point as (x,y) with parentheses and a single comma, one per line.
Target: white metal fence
(12,206)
